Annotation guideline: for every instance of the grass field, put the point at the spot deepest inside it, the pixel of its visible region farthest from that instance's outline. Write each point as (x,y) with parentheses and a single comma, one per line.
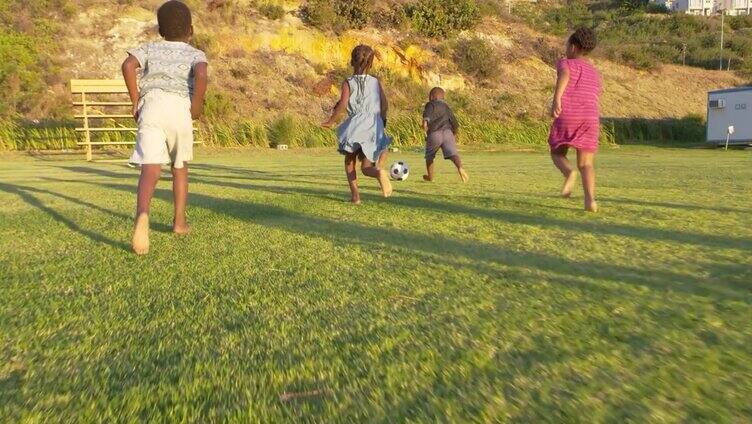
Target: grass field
(491,301)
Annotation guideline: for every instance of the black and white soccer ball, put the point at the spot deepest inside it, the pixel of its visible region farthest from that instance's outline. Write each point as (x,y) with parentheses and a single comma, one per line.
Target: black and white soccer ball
(399,171)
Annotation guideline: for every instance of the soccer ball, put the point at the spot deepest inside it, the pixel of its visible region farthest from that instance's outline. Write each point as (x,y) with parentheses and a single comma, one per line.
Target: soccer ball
(399,171)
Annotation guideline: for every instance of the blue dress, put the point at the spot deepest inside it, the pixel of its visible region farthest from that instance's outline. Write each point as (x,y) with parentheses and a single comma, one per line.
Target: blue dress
(364,128)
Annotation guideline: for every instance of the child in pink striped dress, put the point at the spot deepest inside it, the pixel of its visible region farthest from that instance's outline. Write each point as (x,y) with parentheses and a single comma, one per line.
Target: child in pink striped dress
(576,115)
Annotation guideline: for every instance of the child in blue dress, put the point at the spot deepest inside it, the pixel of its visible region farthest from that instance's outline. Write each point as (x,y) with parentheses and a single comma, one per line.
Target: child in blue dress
(362,135)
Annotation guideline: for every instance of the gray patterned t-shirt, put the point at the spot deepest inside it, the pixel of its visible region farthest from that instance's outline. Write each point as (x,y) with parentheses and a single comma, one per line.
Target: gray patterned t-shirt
(167,66)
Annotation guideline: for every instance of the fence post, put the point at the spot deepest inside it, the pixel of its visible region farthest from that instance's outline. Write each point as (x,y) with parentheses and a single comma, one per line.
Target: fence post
(87,133)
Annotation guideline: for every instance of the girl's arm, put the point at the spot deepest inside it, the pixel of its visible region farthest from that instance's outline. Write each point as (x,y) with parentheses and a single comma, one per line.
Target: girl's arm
(562,81)
(130,69)
(339,107)
(200,72)
(384,103)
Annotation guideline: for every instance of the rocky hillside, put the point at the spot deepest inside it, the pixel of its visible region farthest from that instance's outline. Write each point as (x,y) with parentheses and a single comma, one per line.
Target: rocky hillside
(266,60)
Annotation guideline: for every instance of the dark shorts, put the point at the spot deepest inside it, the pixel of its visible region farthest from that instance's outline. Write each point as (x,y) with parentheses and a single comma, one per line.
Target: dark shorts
(444,140)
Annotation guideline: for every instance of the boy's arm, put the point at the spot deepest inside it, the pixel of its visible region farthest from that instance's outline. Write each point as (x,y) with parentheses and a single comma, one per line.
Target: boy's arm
(200,81)
(130,70)
(341,105)
(454,122)
(562,81)
(427,116)
(384,103)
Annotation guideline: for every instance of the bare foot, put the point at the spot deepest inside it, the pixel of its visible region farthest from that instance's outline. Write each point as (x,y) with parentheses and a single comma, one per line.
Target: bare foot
(427,178)
(463,175)
(566,189)
(592,206)
(140,242)
(181,229)
(386,185)
(355,200)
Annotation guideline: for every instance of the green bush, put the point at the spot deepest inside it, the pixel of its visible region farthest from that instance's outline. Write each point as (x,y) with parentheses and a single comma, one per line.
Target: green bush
(20,73)
(439,18)
(218,106)
(355,13)
(565,19)
(337,15)
(283,130)
(271,11)
(657,8)
(477,58)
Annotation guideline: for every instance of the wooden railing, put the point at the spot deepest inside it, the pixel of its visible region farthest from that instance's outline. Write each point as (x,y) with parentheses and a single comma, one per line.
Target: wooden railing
(87,94)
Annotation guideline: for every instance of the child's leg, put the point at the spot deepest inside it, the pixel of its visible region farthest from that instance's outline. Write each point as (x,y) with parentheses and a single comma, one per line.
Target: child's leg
(147,183)
(559,158)
(585,163)
(457,161)
(370,170)
(351,160)
(180,197)
(381,164)
(429,170)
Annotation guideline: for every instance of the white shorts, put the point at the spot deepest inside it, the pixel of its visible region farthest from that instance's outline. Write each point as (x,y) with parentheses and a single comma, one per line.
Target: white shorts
(165,130)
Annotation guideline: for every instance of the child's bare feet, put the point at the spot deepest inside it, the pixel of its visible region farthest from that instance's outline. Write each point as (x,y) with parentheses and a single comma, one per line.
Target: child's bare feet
(386,185)
(569,181)
(355,200)
(591,206)
(181,229)
(140,242)
(427,178)
(463,175)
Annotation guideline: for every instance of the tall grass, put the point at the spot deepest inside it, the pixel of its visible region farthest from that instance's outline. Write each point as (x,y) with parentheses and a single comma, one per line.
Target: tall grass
(43,136)
(405,131)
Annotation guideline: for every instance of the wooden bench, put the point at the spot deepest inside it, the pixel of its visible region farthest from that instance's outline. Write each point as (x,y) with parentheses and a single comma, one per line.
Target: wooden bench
(87,94)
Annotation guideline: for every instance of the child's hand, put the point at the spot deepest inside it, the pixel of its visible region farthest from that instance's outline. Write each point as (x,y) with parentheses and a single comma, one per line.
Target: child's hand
(197,110)
(327,124)
(134,111)
(556,108)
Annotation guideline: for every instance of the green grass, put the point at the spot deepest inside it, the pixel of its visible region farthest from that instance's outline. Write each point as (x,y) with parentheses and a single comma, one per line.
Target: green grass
(491,301)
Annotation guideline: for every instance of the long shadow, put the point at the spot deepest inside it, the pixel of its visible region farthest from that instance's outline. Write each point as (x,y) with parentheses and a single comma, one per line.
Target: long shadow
(670,205)
(57,216)
(154,226)
(622,230)
(476,253)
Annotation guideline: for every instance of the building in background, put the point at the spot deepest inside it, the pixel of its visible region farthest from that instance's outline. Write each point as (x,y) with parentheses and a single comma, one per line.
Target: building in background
(735,7)
(695,7)
(708,7)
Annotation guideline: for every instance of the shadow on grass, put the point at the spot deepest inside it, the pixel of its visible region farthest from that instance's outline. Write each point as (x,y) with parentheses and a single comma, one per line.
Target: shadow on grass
(622,230)
(25,194)
(478,255)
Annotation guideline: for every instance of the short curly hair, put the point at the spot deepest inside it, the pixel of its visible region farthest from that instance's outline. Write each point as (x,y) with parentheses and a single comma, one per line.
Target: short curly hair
(584,39)
(174,19)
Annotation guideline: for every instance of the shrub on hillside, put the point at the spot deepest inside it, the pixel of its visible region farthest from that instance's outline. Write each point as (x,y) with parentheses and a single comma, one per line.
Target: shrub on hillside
(218,106)
(477,58)
(657,8)
(337,15)
(283,130)
(355,13)
(437,18)
(20,73)
(271,11)
(562,20)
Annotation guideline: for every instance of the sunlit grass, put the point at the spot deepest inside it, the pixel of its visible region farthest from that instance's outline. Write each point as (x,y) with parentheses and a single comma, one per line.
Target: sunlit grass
(492,301)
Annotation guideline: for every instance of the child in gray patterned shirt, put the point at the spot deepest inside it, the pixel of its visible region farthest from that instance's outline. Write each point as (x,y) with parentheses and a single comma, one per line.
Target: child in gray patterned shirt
(169,95)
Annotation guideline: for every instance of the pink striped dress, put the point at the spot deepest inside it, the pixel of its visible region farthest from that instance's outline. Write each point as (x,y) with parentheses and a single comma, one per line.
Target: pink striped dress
(578,125)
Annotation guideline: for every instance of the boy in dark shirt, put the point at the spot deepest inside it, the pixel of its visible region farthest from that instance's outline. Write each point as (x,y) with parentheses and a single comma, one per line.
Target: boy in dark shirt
(441,130)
